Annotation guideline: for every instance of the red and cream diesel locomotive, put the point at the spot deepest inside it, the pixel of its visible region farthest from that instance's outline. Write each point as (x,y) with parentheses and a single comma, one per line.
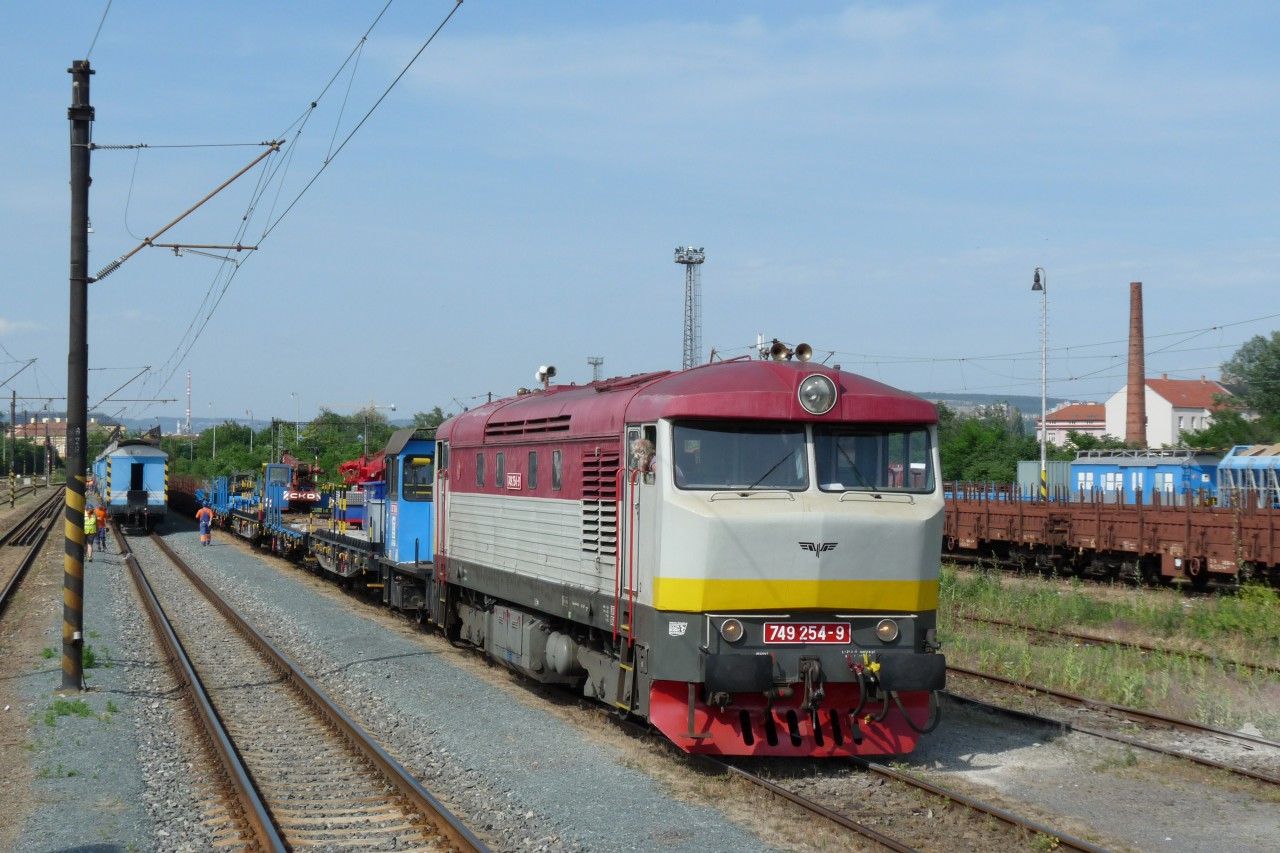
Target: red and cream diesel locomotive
(745,554)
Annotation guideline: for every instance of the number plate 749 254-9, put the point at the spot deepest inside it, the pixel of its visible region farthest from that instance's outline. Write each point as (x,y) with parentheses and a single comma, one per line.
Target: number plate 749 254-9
(833,633)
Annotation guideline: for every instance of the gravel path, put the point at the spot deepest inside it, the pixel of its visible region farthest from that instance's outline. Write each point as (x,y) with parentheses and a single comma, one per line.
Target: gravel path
(1090,786)
(89,787)
(522,777)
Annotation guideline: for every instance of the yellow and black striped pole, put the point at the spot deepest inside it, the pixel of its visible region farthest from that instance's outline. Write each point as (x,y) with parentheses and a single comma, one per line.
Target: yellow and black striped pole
(81,116)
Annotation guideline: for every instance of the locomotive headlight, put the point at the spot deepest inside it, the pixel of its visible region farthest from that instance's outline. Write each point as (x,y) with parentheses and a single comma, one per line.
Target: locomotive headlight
(731,630)
(817,394)
(887,630)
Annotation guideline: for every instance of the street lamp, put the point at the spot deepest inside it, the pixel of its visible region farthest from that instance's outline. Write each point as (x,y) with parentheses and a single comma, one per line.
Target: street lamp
(1041,283)
(297,422)
(392,407)
(215,433)
(249,412)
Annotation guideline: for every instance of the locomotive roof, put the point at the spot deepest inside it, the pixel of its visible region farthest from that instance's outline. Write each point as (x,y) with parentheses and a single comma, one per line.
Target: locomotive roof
(401,438)
(735,390)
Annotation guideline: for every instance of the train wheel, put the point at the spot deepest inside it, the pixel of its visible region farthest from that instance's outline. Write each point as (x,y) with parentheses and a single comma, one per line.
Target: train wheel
(1197,572)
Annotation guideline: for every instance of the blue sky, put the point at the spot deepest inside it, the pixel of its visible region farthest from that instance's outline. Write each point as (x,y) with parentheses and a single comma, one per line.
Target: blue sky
(877,180)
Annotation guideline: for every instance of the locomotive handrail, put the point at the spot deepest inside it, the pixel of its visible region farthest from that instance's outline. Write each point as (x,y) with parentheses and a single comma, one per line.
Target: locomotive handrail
(633,553)
(617,552)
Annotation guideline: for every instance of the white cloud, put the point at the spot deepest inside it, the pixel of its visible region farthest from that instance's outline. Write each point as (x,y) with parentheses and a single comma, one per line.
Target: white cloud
(10,327)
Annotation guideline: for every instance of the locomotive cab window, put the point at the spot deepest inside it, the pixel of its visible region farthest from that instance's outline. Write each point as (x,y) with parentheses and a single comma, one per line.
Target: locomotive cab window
(851,458)
(419,475)
(479,469)
(533,470)
(499,469)
(393,478)
(557,469)
(740,456)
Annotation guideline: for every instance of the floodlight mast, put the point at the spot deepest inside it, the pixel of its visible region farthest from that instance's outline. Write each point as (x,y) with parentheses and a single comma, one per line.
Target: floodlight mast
(692,259)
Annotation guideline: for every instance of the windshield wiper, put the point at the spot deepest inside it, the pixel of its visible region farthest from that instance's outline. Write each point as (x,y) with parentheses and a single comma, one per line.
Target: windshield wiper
(853,466)
(773,468)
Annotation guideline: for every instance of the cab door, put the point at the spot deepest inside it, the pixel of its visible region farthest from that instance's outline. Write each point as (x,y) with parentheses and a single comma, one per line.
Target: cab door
(640,504)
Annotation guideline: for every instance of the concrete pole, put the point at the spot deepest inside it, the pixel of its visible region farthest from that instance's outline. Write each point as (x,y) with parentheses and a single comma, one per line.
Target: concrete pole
(81,116)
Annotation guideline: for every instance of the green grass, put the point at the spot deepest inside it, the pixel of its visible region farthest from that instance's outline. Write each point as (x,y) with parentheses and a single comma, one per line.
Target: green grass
(1247,622)
(91,660)
(57,772)
(48,653)
(1204,690)
(66,708)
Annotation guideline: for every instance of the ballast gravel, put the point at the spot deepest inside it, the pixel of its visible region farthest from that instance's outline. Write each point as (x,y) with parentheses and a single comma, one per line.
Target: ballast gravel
(521,778)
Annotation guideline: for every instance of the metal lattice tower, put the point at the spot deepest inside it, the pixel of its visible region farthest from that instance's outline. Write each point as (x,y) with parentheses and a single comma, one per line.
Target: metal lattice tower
(595,361)
(692,259)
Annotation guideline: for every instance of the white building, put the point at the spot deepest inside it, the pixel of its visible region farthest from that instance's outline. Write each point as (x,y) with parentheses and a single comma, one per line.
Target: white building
(1084,418)
(1174,406)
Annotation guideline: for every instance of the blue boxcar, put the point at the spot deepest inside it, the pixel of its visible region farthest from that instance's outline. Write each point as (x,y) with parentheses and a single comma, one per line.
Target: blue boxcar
(1137,475)
(131,479)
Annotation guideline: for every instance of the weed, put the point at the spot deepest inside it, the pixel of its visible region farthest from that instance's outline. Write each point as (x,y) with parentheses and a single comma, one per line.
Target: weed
(48,653)
(112,707)
(88,657)
(66,708)
(93,635)
(1044,843)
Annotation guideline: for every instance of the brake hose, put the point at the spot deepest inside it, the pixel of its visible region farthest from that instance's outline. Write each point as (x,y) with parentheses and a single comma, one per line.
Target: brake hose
(935,712)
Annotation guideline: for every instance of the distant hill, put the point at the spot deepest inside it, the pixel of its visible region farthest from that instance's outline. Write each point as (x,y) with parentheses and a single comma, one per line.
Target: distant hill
(968,402)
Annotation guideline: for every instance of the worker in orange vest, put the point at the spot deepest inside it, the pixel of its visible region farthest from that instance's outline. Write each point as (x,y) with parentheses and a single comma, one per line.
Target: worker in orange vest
(101,514)
(204,516)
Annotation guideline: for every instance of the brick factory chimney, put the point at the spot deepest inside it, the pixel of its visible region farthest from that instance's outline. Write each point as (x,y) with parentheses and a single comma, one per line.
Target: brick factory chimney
(1135,421)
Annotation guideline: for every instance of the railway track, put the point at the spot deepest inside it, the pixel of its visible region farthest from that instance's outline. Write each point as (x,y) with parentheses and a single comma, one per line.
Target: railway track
(1134,644)
(28,533)
(303,773)
(1031,828)
(1256,758)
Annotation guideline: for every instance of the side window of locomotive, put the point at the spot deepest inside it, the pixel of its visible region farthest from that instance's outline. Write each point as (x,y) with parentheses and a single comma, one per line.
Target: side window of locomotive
(557,469)
(499,469)
(393,478)
(651,436)
(533,469)
(419,473)
(859,459)
(479,469)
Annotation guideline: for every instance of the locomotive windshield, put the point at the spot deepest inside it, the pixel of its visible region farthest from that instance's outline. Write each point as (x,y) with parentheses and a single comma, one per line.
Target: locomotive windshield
(741,457)
(856,458)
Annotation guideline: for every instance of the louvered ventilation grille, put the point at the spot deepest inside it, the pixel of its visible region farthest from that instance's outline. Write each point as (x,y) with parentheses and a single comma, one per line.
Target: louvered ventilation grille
(532,426)
(600,503)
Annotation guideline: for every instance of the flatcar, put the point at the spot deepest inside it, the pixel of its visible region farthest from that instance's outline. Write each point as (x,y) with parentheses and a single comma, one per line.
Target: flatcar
(744,554)
(131,479)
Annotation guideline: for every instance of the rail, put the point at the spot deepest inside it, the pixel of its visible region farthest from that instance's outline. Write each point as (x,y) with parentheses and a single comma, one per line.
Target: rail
(392,771)
(245,792)
(1133,714)
(31,531)
(1133,644)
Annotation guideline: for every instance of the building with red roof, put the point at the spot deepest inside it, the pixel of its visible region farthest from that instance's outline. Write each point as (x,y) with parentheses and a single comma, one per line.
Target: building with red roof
(1084,418)
(1174,406)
